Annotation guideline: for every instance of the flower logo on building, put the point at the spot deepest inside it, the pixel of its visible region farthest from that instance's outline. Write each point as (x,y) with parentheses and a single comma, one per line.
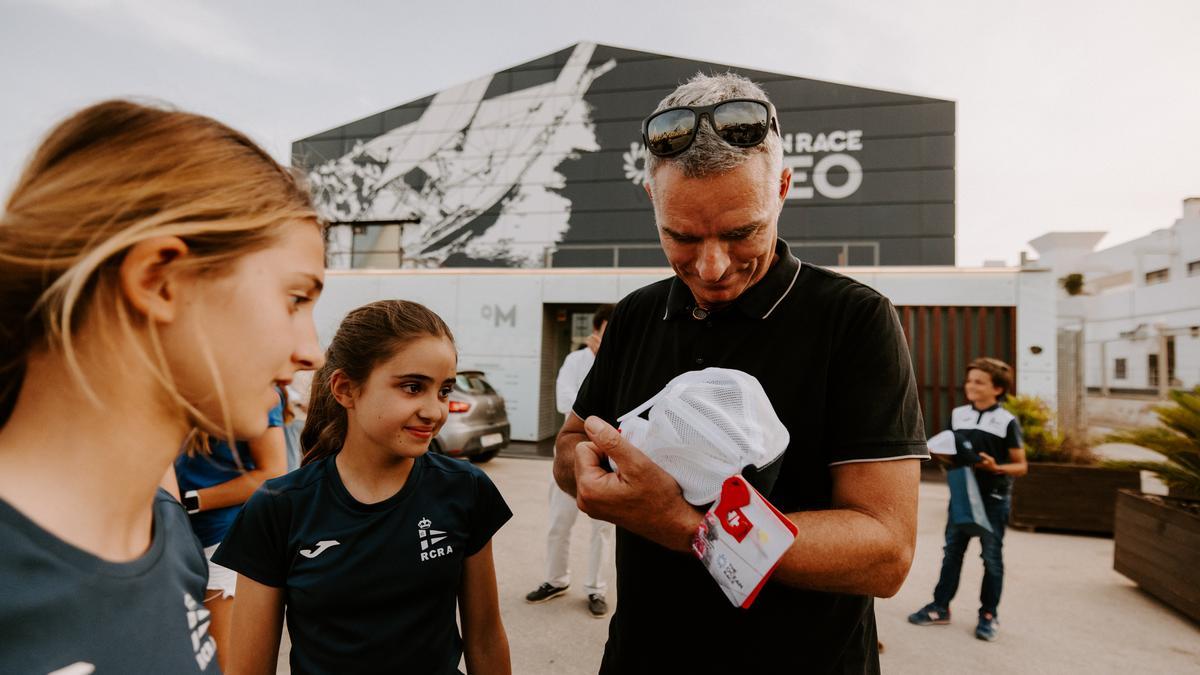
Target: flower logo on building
(635,163)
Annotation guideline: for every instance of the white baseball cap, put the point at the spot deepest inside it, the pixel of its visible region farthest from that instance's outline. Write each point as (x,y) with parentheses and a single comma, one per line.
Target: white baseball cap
(705,426)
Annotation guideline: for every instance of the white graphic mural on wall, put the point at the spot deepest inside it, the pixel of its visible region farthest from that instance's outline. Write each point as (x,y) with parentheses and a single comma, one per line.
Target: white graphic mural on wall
(464,157)
(633,162)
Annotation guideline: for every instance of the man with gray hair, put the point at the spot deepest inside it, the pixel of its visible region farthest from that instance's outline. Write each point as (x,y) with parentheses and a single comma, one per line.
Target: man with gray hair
(831,356)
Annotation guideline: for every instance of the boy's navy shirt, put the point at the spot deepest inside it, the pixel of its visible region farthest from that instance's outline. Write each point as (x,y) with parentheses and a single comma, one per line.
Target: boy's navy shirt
(62,607)
(993,430)
(368,587)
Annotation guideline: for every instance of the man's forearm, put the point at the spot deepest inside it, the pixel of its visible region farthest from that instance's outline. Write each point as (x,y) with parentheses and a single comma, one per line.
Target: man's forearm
(845,551)
(564,460)
(838,550)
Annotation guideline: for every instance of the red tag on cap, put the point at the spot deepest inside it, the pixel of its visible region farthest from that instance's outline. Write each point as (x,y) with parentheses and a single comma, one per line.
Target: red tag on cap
(734,495)
(741,554)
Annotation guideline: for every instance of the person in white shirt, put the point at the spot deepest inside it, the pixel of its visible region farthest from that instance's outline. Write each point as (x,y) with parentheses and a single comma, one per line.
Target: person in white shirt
(563,509)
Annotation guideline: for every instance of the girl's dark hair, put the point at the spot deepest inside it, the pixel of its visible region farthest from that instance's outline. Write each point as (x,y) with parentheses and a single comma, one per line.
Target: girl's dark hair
(368,336)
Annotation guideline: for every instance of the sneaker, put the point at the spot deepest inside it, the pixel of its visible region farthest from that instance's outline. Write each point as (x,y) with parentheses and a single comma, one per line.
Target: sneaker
(987,627)
(930,615)
(545,592)
(597,606)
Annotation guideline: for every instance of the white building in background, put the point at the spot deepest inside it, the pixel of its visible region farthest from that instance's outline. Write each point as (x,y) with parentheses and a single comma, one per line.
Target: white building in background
(518,325)
(1140,303)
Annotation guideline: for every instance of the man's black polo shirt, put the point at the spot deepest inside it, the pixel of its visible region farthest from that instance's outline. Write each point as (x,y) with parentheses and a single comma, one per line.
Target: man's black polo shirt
(831,356)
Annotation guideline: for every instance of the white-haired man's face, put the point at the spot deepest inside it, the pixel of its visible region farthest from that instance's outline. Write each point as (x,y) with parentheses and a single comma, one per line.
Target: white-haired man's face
(719,232)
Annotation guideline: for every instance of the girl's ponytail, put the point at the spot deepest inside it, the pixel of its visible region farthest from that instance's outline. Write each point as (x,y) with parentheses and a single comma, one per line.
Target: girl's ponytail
(325,428)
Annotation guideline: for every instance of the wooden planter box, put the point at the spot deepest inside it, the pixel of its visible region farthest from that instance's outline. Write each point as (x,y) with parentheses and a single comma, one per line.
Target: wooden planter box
(1069,497)
(1157,545)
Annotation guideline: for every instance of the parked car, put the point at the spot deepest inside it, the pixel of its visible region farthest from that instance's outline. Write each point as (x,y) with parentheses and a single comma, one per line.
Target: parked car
(478,426)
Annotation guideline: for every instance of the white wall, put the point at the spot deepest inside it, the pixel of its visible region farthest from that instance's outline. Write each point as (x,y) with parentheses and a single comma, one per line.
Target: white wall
(1137,308)
(1037,336)
(497,316)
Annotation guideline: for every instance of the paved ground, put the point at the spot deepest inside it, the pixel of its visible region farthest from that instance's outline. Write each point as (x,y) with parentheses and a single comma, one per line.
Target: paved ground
(1064,610)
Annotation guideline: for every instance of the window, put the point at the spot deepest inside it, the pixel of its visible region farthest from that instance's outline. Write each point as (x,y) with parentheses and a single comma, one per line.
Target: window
(1158,276)
(838,253)
(1152,364)
(1119,371)
(1194,268)
(1117,281)
(472,383)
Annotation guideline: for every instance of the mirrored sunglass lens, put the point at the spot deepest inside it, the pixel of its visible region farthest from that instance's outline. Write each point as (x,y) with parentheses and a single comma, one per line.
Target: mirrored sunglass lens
(670,131)
(741,122)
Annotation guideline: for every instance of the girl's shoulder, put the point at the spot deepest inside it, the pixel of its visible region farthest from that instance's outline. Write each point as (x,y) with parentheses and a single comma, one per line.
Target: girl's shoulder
(299,479)
(294,485)
(453,468)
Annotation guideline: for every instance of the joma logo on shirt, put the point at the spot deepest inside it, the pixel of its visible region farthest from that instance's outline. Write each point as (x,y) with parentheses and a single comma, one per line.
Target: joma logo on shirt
(428,538)
(319,548)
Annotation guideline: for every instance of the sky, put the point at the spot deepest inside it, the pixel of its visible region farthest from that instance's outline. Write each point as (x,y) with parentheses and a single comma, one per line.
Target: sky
(1071,115)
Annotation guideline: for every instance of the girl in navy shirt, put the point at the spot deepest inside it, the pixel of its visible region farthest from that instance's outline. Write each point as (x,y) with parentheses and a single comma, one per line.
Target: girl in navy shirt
(157,273)
(374,543)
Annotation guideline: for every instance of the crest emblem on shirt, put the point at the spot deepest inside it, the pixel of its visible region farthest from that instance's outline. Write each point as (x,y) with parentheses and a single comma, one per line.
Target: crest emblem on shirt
(429,538)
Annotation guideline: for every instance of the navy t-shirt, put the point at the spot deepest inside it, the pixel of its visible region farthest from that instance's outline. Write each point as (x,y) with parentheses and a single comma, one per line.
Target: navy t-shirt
(63,608)
(369,588)
(199,471)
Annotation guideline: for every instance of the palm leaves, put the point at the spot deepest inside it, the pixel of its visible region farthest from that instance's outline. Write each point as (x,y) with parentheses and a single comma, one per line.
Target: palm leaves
(1177,439)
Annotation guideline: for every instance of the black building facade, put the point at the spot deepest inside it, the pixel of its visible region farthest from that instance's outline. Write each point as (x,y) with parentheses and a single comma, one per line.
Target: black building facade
(541,165)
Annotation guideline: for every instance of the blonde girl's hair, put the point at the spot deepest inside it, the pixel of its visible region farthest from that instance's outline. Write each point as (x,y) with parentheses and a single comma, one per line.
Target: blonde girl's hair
(368,336)
(106,178)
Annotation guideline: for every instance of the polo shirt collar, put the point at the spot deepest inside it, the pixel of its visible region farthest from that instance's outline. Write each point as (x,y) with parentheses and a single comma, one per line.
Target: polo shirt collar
(757,302)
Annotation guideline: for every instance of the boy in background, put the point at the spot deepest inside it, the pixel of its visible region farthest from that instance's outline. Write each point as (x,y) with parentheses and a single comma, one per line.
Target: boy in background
(996,436)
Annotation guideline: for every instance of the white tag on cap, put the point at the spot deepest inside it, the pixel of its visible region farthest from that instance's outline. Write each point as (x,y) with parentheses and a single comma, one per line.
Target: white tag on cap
(741,541)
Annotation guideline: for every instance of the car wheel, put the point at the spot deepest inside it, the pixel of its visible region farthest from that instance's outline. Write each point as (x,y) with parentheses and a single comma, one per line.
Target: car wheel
(485,456)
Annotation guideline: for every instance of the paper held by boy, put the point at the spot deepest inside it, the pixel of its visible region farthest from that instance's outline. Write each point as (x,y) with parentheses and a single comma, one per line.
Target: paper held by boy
(943,443)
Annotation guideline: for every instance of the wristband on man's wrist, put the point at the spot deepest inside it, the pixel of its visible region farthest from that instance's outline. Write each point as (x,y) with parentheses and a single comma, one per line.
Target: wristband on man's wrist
(701,538)
(191,501)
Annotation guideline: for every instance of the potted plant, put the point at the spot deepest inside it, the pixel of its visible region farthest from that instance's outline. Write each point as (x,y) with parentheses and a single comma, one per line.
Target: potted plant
(1066,488)
(1072,283)
(1157,539)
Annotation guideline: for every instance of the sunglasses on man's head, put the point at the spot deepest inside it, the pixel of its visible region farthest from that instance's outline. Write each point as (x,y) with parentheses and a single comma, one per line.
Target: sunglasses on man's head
(740,122)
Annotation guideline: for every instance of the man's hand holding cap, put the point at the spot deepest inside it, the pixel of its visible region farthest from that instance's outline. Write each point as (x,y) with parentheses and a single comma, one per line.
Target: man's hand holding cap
(641,497)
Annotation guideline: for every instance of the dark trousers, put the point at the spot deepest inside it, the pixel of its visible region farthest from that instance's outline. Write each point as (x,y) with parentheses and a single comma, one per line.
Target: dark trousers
(996,507)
